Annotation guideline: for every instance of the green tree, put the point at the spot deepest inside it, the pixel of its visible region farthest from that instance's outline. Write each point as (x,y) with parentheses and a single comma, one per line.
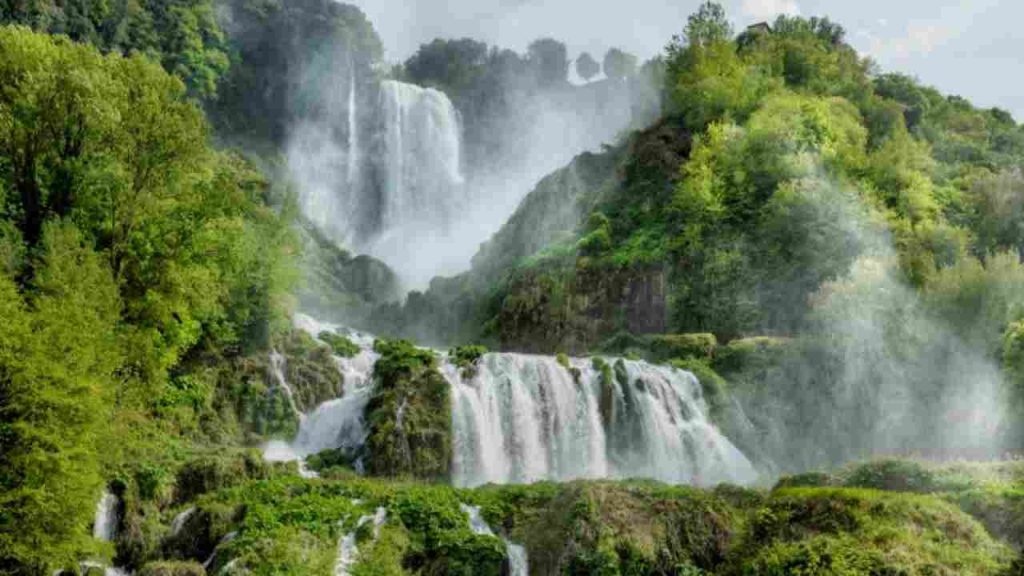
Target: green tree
(58,355)
(708,25)
(619,65)
(587,67)
(549,60)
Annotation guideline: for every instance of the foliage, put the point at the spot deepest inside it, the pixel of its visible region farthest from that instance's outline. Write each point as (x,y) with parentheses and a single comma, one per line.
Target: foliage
(183,35)
(466,358)
(619,65)
(340,344)
(408,415)
(549,60)
(587,67)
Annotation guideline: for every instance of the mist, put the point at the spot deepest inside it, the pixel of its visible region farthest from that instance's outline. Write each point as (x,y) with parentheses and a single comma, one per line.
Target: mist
(876,371)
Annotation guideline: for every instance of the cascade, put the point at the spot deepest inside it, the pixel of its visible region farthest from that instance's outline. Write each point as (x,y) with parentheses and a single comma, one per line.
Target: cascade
(337,423)
(517,559)
(353,131)
(179,521)
(277,365)
(104,526)
(524,418)
(348,550)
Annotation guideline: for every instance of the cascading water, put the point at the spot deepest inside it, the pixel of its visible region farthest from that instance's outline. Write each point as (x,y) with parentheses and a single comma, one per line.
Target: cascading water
(517,560)
(348,550)
(526,418)
(104,526)
(523,418)
(337,423)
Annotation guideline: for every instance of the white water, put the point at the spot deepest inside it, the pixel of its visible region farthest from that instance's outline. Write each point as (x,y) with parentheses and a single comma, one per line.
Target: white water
(517,559)
(348,550)
(422,190)
(337,423)
(104,525)
(524,418)
(179,521)
(353,131)
(277,366)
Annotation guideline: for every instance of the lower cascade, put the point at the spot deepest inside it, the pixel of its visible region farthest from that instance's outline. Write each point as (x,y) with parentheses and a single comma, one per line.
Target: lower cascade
(521,418)
(526,418)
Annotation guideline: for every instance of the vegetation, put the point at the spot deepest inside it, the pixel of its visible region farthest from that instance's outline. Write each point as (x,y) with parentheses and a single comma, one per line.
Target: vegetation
(134,254)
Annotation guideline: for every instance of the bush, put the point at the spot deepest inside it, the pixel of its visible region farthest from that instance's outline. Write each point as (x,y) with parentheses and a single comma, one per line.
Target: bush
(341,345)
(892,475)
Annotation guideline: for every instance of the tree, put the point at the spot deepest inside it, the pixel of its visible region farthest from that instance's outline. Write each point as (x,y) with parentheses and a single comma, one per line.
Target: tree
(58,354)
(706,26)
(587,67)
(549,60)
(619,65)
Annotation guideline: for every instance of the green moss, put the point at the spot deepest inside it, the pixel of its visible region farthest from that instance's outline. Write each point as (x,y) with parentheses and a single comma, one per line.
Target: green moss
(409,414)
(340,344)
(172,569)
(847,531)
(682,346)
(466,358)
(750,355)
(891,475)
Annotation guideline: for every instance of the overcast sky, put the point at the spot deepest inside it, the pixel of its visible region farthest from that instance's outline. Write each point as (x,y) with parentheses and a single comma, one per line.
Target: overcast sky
(971,48)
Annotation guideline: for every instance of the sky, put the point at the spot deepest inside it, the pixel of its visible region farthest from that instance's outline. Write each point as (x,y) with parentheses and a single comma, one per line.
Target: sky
(970,48)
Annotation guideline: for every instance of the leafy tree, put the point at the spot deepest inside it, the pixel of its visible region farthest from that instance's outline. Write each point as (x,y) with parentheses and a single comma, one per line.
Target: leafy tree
(58,355)
(619,65)
(587,67)
(549,60)
(708,25)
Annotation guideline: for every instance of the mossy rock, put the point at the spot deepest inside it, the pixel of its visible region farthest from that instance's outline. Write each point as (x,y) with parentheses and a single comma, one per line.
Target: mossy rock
(172,569)
(409,414)
(751,355)
(466,358)
(341,345)
(891,475)
(857,531)
(807,480)
(683,346)
(201,532)
(212,472)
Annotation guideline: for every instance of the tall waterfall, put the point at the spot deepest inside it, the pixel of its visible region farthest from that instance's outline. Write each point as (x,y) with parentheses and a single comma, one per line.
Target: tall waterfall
(527,418)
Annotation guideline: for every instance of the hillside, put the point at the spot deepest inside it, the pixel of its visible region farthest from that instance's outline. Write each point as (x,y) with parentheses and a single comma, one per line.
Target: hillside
(775,325)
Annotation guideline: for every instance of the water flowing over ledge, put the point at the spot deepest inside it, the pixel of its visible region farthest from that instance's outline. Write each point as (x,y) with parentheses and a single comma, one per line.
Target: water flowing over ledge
(521,418)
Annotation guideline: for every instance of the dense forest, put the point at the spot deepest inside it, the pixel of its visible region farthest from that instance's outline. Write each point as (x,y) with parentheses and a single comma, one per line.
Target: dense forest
(826,247)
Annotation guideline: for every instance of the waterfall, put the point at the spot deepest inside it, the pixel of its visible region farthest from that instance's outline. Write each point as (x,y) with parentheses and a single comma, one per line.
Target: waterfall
(179,521)
(348,550)
(422,154)
(277,365)
(523,418)
(517,559)
(104,526)
(518,564)
(353,131)
(337,423)
(527,418)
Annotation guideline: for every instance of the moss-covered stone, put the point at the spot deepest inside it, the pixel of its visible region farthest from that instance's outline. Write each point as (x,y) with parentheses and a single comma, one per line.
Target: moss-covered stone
(682,346)
(172,569)
(213,472)
(466,358)
(409,414)
(340,345)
